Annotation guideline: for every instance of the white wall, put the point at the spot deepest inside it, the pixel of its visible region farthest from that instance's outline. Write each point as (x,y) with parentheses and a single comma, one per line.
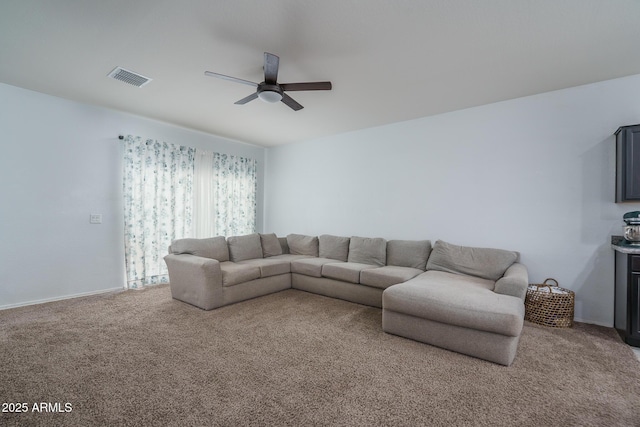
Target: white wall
(534,174)
(60,161)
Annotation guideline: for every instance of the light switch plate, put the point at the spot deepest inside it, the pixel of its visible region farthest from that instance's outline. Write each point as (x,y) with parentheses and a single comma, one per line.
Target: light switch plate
(95,218)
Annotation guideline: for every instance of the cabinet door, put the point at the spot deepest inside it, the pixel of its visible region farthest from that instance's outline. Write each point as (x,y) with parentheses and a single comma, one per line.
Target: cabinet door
(633,307)
(628,146)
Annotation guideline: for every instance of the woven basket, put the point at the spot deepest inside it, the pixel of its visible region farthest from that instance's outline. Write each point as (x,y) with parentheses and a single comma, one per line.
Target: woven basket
(547,308)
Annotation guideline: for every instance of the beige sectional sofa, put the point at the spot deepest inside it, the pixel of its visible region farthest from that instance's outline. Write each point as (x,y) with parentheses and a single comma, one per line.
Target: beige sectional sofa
(469,300)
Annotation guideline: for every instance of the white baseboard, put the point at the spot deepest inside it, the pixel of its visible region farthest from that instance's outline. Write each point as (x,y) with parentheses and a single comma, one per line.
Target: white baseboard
(42,301)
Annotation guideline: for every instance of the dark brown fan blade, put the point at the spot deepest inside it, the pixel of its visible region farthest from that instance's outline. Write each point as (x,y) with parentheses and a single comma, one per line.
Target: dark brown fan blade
(271,64)
(306,86)
(247,99)
(291,102)
(233,79)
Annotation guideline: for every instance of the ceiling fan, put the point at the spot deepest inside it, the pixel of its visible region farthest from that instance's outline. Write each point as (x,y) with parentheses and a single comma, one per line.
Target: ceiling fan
(270,90)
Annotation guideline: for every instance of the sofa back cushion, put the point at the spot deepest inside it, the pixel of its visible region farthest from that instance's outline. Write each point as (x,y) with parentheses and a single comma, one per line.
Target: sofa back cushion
(244,247)
(270,245)
(479,262)
(368,250)
(300,244)
(333,247)
(284,245)
(408,253)
(213,247)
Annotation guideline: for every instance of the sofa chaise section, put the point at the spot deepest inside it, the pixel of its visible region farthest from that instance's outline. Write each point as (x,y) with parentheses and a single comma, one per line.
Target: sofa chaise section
(473,305)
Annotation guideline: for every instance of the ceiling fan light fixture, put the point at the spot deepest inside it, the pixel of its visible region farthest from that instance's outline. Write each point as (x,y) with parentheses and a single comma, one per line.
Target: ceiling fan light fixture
(270,96)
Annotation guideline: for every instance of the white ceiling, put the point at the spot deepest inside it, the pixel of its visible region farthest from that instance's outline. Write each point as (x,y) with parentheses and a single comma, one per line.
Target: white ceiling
(388,61)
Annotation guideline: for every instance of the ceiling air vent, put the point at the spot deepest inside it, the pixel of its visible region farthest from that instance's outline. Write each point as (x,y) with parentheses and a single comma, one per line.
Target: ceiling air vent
(129,77)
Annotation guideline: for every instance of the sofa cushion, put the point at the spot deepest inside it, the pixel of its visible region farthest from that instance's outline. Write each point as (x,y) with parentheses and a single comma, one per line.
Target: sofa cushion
(333,247)
(345,271)
(514,282)
(458,300)
(270,245)
(289,257)
(244,247)
(284,245)
(408,253)
(480,262)
(310,266)
(302,245)
(234,274)
(269,266)
(383,277)
(213,247)
(367,250)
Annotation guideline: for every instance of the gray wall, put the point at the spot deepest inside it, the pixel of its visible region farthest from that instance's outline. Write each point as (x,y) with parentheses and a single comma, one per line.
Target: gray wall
(59,162)
(534,174)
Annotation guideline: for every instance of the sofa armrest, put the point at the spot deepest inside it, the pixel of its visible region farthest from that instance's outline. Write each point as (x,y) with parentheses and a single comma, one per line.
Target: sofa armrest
(195,280)
(514,282)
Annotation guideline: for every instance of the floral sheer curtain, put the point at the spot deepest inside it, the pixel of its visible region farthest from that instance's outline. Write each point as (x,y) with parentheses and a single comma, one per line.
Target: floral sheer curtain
(224,195)
(171,192)
(203,224)
(157,187)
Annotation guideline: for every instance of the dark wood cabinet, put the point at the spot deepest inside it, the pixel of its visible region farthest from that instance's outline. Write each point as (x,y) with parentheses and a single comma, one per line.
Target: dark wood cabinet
(627,298)
(633,330)
(628,164)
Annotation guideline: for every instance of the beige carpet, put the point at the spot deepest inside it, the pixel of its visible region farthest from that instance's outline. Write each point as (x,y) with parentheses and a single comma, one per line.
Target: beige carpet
(293,358)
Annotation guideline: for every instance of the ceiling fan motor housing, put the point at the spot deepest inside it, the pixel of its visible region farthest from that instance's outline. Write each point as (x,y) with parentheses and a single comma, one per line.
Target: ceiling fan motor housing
(269,93)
